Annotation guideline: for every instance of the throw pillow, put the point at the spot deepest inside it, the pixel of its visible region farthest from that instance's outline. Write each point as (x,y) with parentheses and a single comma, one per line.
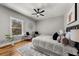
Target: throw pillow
(55,36)
(64,41)
(59,39)
(68,35)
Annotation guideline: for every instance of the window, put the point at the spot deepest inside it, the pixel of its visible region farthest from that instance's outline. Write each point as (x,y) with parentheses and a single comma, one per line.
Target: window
(16,26)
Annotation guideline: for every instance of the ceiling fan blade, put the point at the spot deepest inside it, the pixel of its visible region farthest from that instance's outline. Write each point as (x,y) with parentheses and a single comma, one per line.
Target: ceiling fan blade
(35,10)
(34,14)
(42,11)
(41,14)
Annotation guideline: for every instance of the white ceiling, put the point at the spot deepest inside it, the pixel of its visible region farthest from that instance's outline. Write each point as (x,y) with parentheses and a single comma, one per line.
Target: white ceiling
(51,9)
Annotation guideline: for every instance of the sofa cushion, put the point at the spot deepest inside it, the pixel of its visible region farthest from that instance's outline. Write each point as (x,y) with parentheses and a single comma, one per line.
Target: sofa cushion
(59,39)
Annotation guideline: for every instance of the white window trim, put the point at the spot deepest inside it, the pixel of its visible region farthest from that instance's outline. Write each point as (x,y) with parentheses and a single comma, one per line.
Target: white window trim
(13,18)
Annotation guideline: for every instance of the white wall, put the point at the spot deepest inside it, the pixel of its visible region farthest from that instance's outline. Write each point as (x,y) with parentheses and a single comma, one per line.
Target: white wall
(50,25)
(5,14)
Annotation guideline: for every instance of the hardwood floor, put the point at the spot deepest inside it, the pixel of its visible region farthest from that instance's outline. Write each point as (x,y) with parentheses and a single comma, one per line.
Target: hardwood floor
(11,50)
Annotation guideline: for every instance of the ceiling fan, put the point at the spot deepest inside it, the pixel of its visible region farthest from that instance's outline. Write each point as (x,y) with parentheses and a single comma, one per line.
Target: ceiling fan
(38,12)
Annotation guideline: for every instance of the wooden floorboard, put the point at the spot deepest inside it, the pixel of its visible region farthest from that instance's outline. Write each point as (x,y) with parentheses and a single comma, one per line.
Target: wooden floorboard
(11,50)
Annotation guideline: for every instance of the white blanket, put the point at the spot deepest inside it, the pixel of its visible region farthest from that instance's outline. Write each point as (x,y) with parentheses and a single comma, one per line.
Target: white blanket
(46,42)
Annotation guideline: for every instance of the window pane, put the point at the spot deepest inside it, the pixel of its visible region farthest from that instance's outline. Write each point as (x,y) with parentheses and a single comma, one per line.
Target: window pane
(16,31)
(16,27)
(16,23)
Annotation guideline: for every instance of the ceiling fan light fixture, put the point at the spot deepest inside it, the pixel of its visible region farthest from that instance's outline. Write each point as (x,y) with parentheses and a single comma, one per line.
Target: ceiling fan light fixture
(38,12)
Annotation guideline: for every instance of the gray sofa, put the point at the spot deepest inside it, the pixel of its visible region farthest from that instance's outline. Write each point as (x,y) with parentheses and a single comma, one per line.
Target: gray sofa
(47,45)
